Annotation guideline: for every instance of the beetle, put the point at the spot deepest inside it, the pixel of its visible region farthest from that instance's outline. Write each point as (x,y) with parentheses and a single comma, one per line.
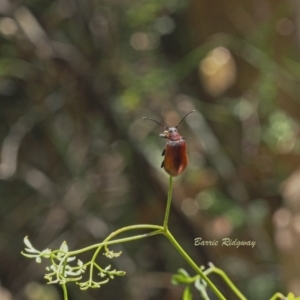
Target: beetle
(176,158)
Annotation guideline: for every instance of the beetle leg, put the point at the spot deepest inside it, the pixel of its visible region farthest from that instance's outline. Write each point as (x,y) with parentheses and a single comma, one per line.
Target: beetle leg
(162,164)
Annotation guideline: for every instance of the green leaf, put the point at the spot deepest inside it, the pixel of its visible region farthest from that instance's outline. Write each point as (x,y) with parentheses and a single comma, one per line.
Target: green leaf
(112,254)
(64,247)
(73,273)
(28,255)
(187,294)
(71,258)
(120,273)
(183,272)
(31,250)
(27,242)
(291,296)
(73,279)
(181,279)
(46,253)
(107,268)
(200,285)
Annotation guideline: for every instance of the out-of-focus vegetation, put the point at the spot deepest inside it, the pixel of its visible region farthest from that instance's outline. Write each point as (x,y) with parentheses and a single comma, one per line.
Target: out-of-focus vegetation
(78,161)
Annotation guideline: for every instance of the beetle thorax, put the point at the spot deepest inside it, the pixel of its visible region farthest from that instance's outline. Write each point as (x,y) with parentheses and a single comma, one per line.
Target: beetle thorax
(173,134)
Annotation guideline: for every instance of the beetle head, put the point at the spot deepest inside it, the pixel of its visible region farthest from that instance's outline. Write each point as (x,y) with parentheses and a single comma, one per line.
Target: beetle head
(171,134)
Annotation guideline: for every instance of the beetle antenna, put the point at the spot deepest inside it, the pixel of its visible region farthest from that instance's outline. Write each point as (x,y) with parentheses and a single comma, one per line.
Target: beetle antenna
(155,122)
(185,117)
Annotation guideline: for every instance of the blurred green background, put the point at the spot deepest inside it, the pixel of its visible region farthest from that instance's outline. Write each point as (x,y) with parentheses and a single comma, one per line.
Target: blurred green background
(78,161)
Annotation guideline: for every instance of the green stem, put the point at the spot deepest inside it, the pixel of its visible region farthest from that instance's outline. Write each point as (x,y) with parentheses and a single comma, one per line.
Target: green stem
(107,242)
(193,265)
(204,295)
(222,274)
(133,227)
(127,228)
(64,287)
(278,296)
(168,234)
(169,200)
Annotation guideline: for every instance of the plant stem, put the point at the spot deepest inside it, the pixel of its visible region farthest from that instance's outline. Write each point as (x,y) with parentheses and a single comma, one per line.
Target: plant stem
(65,291)
(278,296)
(127,228)
(132,227)
(222,274)
(128,239)
(169,200)
(193,265)
(173,241)
(204,295)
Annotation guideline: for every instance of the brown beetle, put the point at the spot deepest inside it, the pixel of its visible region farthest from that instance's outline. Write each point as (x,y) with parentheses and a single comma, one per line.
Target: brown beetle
(176,158)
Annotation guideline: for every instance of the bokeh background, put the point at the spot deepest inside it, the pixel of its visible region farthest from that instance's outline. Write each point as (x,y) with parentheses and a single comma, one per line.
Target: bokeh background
(78,161)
